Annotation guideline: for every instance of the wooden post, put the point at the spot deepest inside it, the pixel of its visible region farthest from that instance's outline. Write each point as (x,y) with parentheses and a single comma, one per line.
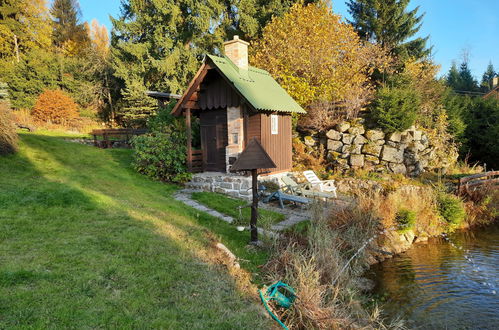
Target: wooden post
(254,208)
(189,138)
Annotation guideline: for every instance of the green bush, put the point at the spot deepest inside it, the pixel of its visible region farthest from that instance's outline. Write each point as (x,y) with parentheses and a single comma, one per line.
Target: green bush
(405,219)
(395,109)
(8,134)
(161,155)
(451,208)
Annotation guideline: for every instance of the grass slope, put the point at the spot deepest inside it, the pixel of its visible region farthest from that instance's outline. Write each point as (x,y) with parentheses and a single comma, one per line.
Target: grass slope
(87,243)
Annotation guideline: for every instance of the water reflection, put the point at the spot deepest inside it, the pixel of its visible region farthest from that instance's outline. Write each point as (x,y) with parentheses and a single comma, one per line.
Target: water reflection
(446,283)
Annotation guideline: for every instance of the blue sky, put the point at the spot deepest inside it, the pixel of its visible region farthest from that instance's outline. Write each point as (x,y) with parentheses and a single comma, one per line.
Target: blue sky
(453,25)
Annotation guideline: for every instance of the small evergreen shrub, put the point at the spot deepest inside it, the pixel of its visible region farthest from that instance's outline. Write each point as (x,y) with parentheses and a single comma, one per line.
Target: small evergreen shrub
(161,154)
(395,109)
(56,107)
(405,219)
(451,208)
(8,134)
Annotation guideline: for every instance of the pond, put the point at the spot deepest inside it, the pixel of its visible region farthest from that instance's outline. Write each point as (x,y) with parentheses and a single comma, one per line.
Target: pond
(448,283)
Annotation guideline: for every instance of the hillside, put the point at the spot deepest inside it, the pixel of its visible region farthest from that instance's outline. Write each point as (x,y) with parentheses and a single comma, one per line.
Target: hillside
(87,243)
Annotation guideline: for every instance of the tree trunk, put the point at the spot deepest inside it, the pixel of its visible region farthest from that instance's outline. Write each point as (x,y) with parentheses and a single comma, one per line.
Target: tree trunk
(16,48)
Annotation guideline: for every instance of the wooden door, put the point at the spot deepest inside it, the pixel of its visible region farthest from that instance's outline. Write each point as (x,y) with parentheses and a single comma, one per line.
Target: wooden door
(214,139)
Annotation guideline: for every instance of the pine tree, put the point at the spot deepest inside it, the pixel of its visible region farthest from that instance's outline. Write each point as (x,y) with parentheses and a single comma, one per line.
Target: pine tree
(390,24)
(69,34)
(487,77)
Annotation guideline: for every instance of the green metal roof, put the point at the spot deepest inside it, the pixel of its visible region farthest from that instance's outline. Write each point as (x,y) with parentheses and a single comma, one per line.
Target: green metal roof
(257,86)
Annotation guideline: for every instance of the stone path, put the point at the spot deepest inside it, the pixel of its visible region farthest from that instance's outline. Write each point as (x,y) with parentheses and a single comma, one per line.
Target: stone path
(292,216)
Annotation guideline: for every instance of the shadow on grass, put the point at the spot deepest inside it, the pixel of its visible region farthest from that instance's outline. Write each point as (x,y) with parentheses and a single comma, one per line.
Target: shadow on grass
(86,242)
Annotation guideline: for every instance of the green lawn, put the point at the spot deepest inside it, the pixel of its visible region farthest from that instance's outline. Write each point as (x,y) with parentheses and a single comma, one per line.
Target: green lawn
(85,242)
(229,206)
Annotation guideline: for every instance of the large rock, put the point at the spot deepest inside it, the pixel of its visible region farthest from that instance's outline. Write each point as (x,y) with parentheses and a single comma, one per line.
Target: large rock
(357,160)
(397,168)
(353,149)
(356,130)
(359,139)
(417,135)
(406,137)
(333,135)
(342,127)
(392,155)
(334,145)
(395,137)
(309,141)
(371,149)
(374,135)
(347,138)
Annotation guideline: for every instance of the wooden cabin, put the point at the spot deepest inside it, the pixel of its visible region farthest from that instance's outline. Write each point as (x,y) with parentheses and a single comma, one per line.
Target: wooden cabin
(236,102)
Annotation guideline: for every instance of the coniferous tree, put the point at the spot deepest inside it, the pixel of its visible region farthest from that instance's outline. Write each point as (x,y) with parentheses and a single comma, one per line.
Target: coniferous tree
(389,23)
(159,47)
(487,77)
(69,33)
(453,78)
(24,25)
(467,82)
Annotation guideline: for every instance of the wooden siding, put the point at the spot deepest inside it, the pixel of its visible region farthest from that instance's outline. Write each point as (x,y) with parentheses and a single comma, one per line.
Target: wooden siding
(215,93)
(278,146)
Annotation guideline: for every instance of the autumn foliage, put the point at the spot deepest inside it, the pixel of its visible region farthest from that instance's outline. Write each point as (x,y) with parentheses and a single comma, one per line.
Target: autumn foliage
(55,106)
(323,65)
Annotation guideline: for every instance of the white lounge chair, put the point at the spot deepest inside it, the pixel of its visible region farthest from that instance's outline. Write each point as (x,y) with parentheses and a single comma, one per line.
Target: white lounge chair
(324,186)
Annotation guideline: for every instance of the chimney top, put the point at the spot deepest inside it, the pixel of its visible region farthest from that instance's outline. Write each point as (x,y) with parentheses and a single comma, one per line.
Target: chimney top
(237,51)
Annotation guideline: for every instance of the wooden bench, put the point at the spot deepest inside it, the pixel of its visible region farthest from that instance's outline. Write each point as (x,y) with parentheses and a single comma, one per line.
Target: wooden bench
(111,135)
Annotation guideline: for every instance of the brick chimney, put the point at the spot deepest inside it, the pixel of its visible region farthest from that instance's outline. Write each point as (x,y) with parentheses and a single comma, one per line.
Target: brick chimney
(237,51)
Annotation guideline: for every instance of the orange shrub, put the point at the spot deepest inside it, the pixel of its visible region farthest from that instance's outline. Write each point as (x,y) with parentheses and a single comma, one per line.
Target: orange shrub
(55,106)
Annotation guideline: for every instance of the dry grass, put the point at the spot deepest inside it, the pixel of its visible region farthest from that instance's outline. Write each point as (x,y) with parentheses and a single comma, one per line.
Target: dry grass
(482,205)
(85,125)
(323,268)
(8,135)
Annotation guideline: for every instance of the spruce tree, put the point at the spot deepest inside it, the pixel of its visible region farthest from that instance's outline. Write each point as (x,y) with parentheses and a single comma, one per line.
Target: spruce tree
(68,31)
(487,77)
(160,46)
(453,78)
(467,82)
(390,24)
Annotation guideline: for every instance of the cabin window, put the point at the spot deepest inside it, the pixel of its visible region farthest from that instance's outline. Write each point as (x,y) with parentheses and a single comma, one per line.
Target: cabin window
(235,138)
(274,124)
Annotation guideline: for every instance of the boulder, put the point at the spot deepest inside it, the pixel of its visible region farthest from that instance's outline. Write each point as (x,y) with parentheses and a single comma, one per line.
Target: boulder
(357,160)
(406,137)
(371,149)
(417,135)
(374,135)
(395,137)
(355,130)
(359,139)
(397,168)
(334,145)
(347,138)
(391,154)
(309,141)
(333,135)
(342,127)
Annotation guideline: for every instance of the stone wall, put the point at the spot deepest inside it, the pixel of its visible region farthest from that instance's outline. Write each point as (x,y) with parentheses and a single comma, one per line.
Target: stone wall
(352,146)
(233,185)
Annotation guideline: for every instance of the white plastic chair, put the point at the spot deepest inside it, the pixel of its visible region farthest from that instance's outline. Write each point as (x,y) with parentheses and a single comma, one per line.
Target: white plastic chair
(324,186)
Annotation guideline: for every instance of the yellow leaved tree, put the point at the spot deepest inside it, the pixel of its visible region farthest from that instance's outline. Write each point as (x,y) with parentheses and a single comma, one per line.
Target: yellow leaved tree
(320,61)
